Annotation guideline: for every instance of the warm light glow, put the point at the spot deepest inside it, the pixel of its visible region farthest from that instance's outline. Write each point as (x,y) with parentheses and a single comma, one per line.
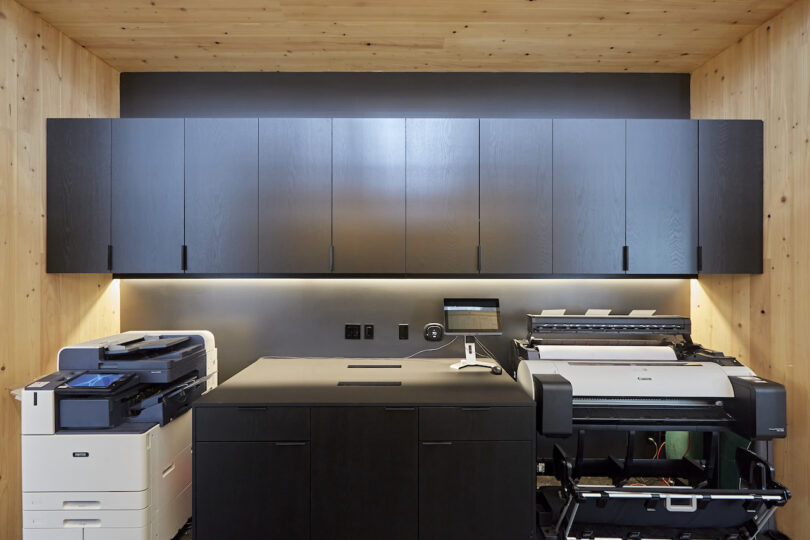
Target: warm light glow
(425,282)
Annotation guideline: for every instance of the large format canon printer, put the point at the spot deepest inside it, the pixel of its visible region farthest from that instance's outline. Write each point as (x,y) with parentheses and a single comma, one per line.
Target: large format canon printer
(643,379)
(106,439)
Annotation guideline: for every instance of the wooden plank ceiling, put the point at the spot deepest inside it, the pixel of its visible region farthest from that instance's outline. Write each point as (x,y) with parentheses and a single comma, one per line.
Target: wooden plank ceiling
(408,35)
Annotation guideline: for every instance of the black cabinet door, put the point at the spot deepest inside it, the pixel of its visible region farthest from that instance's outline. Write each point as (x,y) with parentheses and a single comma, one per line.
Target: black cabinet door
(476,490)
(730,198)
(222,190)
(662,198)
(442,205)
(364,473)
(78,195)
(589,190)
(295,195)
(368,195)
(516,196)
(251,490)
(147,195)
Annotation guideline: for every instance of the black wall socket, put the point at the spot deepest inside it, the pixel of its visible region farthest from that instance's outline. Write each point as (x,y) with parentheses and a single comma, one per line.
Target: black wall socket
(403,331)
(352,331)
(368,331)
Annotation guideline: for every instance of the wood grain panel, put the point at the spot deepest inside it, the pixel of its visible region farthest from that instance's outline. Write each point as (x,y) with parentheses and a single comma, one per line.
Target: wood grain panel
(371,453)
(589,196)
(147,195)
(42,74)
(268,489)
(295,195)
(662,196)
(442,196)
(368,206)
(515,206)
(762,319)
(221,196)
(730,232)
(418,35)
(78,195)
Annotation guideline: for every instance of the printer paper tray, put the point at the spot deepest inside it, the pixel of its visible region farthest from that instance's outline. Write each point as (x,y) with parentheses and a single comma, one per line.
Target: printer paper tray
(86,500)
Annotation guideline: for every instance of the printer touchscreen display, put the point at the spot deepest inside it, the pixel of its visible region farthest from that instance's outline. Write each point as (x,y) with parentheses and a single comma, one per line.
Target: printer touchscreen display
(95,380)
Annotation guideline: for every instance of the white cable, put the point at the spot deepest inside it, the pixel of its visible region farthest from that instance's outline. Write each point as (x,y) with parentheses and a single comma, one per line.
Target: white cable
(489,353)
(486,349)
(434,349)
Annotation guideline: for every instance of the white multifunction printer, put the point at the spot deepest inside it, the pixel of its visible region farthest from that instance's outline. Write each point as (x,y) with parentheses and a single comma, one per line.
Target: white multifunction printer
(106,439)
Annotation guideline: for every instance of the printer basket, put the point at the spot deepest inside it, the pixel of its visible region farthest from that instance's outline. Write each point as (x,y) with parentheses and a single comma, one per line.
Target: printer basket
(580,511)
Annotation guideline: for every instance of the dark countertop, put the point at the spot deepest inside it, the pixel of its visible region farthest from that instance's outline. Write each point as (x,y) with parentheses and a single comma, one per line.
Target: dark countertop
(314,381)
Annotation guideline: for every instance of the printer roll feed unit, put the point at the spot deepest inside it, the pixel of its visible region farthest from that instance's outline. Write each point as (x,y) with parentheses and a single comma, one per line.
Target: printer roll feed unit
(631,375)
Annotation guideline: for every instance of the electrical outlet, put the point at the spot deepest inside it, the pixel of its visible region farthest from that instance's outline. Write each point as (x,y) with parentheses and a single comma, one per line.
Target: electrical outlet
(368,331)
(352,331)
(403,331)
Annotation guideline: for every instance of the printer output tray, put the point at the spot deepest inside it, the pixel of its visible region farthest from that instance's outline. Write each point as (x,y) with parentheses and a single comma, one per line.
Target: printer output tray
(577,511)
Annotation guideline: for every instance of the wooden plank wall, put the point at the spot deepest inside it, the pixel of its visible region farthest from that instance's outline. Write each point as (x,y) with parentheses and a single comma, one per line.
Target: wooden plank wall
(764,319)
(42,74)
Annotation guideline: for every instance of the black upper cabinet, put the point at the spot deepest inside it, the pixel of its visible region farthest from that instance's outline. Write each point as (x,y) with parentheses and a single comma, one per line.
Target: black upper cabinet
(295,195)
(662,198)
(378,196)
(589,196)
(516,186)
(442,205)
(78,195)
(147,195)
(222,191)
(365,471)
(368,208)
(730,180)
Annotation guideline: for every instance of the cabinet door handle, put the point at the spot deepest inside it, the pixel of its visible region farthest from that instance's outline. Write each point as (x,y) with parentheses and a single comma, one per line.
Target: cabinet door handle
(476,408)
(699,258)
(291,443)
(184,257)
(400,409)
(109,258)
(625,258)
(438,443)
(258,408)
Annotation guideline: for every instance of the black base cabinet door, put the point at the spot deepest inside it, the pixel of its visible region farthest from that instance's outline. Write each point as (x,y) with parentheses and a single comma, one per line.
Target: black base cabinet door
(364,473)
(251,490)
(476,490)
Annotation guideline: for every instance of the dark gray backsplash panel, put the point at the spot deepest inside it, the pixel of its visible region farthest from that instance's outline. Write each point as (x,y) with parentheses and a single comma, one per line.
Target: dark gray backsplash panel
(305,317)
(524,95)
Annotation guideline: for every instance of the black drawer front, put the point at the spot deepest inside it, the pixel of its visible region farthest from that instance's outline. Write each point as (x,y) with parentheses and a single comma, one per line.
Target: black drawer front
(476,423)
(249,423)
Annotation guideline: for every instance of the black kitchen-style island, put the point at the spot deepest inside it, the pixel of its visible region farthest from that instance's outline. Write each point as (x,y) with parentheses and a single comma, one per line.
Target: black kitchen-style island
(364,449)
